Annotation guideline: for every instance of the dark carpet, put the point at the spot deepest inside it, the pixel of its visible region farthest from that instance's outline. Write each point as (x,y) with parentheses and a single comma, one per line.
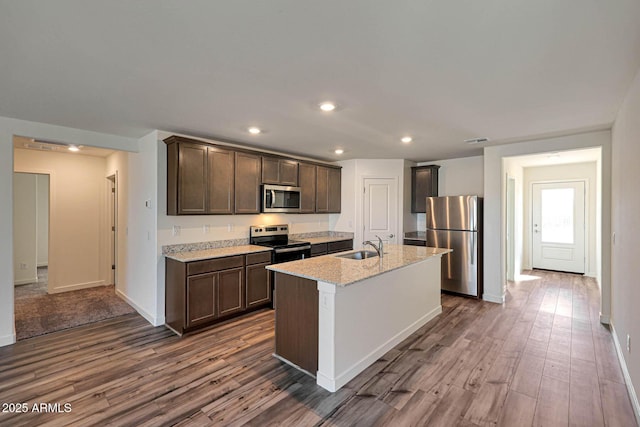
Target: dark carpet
(39,313)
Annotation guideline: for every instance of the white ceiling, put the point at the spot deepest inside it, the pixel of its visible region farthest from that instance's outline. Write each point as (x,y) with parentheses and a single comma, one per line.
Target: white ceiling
(439,70)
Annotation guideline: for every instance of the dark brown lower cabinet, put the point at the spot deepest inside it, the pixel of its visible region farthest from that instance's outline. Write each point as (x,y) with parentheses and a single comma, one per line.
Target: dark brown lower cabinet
(230,291)
(297,321)
(319,249)
(201,299)
(258,285)
(204,292)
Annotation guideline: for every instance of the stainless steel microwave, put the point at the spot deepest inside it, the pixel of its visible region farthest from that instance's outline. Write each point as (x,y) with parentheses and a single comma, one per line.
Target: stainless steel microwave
(278,199)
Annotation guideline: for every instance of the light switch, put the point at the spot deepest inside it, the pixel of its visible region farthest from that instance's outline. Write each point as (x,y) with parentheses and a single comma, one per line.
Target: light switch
(147,203)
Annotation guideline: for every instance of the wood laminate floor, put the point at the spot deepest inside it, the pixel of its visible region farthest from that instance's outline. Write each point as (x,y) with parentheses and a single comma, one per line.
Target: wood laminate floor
(540,359)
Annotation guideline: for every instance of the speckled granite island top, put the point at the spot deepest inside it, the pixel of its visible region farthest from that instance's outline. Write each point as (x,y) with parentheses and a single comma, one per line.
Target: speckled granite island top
(343,271)
(189,256)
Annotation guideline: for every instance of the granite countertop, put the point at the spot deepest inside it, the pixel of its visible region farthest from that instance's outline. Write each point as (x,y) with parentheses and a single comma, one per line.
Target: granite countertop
(343,271)
(188,256)
(416,235)
(324,239)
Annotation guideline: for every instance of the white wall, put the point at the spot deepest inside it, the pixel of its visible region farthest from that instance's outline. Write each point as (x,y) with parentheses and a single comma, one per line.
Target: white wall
(573,171)
(459,177)
(78,217)
(353,174)
(137,210)
(494,205)
(625,268)
(42,182)
(456,177)
(513,170)
(25,239)
(9,128)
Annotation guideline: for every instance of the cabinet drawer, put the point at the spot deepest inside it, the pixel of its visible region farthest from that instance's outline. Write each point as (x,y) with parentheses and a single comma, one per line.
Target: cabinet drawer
(198,267)
(411,242)
(258,258)
(342,245)
(319,249)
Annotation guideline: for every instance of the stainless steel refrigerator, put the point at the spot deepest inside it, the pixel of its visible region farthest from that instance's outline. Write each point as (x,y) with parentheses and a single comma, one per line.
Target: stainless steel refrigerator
(455,222)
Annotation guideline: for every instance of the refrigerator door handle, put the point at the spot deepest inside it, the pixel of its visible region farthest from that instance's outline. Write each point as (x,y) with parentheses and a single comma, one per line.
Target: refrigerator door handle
(473,248)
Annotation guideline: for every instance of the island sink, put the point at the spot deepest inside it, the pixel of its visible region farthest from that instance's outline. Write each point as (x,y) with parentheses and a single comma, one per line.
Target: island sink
(359,255)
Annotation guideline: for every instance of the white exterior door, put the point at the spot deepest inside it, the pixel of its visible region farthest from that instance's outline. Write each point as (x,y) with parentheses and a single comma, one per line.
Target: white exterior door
(558,226)
(380,209)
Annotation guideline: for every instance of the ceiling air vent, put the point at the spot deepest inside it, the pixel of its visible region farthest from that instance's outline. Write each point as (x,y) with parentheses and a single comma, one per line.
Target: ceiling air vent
(476,140)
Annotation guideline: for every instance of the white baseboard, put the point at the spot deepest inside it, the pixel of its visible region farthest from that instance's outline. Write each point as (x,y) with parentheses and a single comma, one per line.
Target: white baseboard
(605,319)
(498,299)
(7,340)
(155,321)
(591,274)
(25,281)
(77,286)
(333,384)
(627,378)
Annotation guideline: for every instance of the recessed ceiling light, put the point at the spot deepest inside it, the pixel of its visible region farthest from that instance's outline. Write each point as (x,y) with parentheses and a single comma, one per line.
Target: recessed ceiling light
(73,148)
(406,139)
(339,151)
(327,106)
(254,130)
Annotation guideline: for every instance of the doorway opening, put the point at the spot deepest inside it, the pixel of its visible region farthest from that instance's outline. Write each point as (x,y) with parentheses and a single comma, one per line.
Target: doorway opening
(80,232)
(380,216)
(558,226)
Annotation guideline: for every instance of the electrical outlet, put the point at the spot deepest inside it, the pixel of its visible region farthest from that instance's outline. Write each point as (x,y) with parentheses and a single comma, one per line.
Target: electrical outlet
(176,230)
(229,227)
(629,343)
(23,266)
(206,228)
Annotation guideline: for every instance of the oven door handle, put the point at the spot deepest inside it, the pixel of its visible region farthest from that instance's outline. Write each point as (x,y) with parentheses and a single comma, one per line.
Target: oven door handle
(296,249)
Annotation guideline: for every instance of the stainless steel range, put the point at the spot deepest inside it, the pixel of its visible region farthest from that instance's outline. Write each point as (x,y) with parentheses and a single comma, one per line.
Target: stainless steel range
(277,237)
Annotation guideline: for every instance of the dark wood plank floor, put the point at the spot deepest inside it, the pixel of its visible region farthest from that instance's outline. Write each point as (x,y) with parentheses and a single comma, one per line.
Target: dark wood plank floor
(540,359)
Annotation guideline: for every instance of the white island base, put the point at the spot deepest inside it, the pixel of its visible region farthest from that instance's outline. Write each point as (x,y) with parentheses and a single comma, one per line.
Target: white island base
(359,323)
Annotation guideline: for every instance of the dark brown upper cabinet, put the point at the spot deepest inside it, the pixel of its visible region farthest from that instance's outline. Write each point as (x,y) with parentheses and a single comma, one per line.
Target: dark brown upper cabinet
(220,186)
(279,171)
(199,179)
(328,189)
(424,183)
(307,184)
(208,179)
(247,179)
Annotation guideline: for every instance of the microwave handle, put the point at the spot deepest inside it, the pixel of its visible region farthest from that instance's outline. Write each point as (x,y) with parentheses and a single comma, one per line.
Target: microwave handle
(273,197)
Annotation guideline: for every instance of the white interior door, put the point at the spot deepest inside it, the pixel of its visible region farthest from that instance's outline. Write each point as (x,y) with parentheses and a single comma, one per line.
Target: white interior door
(558,226)
(380,209)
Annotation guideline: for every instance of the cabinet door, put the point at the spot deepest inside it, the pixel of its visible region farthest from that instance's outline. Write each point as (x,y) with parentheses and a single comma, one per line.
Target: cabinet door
(220,187)
(258,285)
(270,170)
(334,195)
(340,246)
(424,183)
(230,291)
(192,178)
(247,179)
(322,189)
(288,172)
(201,298)
(307,183)
(318,249)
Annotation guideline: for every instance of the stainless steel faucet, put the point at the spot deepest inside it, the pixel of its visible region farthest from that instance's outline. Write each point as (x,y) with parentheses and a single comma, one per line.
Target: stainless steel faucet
(379,247)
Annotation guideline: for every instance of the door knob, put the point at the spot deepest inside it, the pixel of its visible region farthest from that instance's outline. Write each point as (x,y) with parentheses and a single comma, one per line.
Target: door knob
(391,236)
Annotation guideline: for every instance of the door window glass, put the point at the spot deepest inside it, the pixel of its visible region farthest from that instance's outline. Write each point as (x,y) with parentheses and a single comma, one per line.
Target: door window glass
(557,215)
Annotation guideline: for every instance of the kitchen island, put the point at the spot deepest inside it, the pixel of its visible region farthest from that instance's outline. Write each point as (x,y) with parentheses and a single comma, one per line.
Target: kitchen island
(335,316)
